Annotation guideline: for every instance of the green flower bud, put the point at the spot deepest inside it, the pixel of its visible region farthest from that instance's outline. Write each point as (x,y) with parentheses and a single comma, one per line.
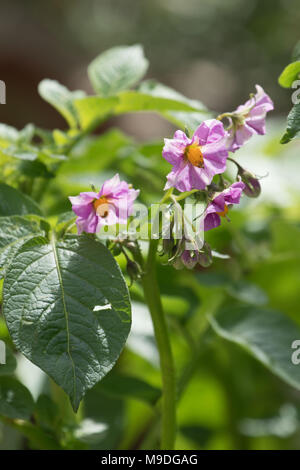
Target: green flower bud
(132,247)
(252,184)
(114,247)
(168,245)
(133,270)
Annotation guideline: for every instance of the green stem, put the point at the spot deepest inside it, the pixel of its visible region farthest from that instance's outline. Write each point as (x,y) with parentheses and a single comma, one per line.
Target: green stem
(152,297)
(186,194)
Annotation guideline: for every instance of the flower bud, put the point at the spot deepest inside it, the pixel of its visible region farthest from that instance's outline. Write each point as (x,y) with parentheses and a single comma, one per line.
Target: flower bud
(133,247)
(114,248)
(189,258)
(177,263)
(252,184)
(168,245)
(205,256)
(133,270)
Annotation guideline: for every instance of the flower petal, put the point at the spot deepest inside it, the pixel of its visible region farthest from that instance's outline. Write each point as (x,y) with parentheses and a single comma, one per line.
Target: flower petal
(211,221)
(209,131)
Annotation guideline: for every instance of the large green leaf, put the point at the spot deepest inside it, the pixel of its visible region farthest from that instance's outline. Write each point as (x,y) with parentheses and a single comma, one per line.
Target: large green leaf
(94,109)
(61,99)
(13,202)
(67,308)
(267,335)
(14,232)
(189,119)
(117,69)
(293,124)
(290,74)
(154,88)
(15,400)
(126,386)
(132,101)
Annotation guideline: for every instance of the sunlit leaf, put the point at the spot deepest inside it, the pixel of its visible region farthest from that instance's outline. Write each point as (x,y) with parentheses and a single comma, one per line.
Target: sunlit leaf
(61,99)
(117,69)
(289,74)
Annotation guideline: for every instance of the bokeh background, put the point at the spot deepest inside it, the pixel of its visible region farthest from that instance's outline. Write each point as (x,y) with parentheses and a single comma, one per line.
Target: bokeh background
(210,50)
(214,51)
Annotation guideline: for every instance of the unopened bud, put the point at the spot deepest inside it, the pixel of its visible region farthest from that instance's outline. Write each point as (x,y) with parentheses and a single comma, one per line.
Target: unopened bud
(114,248)
(205,256)
(177,263)
(132,247)
(252,184)
(189,258)
(168,245)
(133,270)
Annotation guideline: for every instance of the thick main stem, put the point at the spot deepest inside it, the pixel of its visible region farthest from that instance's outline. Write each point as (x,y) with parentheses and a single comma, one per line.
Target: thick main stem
(152,297)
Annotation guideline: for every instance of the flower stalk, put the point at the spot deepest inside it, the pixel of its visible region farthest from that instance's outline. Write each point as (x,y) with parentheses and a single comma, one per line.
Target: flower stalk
(153,300)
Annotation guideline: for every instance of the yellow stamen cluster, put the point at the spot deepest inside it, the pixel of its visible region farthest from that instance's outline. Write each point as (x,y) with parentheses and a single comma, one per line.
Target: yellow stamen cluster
(224,212)
(194,155)
(101,206)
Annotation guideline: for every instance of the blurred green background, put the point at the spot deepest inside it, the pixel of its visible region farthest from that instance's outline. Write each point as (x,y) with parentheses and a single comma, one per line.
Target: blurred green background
(214,51)
(210,50)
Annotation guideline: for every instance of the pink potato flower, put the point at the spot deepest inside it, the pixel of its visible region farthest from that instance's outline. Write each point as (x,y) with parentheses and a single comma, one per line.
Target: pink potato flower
(249,119)
(113,204)
(195,161)
(219,206)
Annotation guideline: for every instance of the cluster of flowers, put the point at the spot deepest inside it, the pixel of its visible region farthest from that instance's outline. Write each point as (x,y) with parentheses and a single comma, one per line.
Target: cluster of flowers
(195,160)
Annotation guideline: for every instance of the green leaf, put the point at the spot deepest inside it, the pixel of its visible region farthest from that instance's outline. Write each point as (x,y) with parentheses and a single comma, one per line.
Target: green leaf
(117,69)
(13,202)
(8,135)
(132,101)
(15,400)
(243,291)
(125,386)
(67,308)
(267,335)
(290,74)
(61,99)
(35,169)
(21,154)
(200,435)
(293,124)
(14,232)
(154,88)
(296,52)
(189,119)
(26,134)
(38,438)
(46,412)
(105,413)
(93,110)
